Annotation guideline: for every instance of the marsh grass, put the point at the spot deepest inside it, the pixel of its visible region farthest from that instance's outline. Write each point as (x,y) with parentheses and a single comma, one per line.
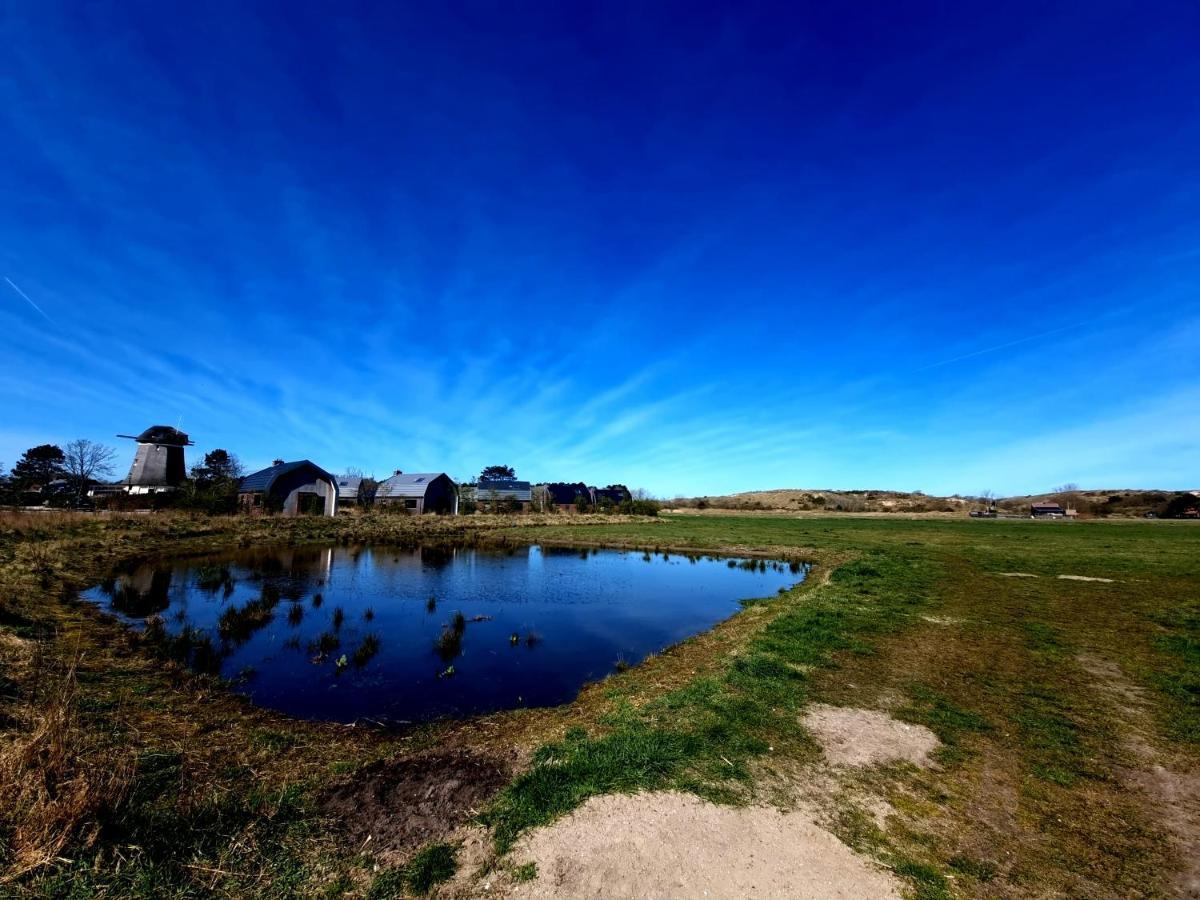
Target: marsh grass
(230,814)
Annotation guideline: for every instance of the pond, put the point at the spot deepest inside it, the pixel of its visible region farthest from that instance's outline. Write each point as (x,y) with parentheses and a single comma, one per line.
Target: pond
(407,635)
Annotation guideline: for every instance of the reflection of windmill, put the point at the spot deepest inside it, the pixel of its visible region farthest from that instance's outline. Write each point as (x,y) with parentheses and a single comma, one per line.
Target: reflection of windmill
(158,465)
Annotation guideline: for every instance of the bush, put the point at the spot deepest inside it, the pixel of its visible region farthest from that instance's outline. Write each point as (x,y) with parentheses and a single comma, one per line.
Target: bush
(639,507)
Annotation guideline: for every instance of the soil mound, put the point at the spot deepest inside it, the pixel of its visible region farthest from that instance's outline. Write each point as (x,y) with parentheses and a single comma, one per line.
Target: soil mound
(402,804)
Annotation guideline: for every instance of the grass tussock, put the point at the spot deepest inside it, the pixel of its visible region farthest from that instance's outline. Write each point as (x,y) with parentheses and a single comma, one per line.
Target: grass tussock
(54,794)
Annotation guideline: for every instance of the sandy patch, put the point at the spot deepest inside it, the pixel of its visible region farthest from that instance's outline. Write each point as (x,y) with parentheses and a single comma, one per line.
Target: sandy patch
(1084,578)
(1017,575)
(667,845)
(867,737)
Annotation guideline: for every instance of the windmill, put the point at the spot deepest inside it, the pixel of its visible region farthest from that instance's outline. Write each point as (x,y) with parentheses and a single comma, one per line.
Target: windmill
(159,464)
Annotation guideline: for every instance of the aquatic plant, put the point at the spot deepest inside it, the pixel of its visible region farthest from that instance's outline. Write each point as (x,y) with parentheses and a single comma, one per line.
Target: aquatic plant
(514,639)
(448,644)
(366,650)
(326,642)
(431,604)
(338,617)
(239,623)
(622,664)
(295,614)
(458,622)
(209,578)
(447,672)
(368,614)
(317,600)
(532,639)
(481,618)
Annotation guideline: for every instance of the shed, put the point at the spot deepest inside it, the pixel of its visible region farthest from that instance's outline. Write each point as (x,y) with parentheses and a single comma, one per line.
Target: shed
(1046,510)
(500,491)
(293,488)
(420,492)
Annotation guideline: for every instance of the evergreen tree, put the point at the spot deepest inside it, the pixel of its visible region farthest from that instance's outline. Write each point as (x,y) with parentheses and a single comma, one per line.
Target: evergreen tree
(39,466)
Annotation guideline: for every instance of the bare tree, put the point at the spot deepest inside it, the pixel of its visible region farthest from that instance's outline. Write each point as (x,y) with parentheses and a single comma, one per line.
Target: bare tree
(84,461)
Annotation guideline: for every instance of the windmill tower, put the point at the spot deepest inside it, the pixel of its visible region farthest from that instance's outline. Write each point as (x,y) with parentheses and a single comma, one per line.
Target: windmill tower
(158,465)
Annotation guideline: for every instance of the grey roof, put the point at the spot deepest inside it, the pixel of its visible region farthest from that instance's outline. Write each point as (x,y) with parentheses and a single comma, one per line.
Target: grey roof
(348,486)
(262,480)
(408,484)
(487,488)
(161,434)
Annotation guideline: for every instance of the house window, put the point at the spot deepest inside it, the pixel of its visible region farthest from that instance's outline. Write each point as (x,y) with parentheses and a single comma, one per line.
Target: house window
(410,502)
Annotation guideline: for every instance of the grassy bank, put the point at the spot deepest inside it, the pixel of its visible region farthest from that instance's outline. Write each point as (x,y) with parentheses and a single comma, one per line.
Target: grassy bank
(136,777)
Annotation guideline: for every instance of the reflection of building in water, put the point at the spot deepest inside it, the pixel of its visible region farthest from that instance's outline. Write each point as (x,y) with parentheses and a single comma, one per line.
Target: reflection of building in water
(144,593)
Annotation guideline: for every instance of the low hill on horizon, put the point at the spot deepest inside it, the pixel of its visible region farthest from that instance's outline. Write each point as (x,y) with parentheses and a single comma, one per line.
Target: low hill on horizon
(1124,502)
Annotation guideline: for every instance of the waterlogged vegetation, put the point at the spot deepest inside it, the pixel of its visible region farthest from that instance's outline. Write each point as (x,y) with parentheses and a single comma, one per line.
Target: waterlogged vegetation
(1048,696)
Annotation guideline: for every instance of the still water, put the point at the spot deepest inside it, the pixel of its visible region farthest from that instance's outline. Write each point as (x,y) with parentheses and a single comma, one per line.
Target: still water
(407,635)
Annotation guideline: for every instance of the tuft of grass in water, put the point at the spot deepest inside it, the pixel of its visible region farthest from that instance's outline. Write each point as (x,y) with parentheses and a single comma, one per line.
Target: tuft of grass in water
(366,651)
(326,643)
(532,639)
(448,644)
(433,865)
(458,622)
(622,664)
(431,604)
(317,600)
(238,623)
(369,613)
(338,617)
(295,614)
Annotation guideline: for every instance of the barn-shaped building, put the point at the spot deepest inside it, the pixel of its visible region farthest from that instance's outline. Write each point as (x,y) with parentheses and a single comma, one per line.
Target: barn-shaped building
(419,492)
(613,495)
(497,494)
(292,488)
(565,495)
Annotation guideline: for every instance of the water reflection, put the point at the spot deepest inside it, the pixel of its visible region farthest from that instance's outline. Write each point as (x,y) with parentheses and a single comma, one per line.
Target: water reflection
(408,634)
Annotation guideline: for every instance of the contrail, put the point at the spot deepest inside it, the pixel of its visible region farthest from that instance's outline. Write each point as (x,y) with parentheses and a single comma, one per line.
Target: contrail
(1024,340)
(28,300)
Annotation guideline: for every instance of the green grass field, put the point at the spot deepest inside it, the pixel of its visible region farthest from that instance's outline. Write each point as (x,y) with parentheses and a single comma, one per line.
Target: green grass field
(1053,698)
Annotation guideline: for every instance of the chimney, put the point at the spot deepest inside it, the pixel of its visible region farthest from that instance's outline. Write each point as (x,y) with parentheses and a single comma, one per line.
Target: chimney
(398,472)
(278,462)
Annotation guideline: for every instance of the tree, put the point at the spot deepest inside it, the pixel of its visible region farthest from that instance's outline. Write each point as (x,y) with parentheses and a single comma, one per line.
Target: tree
(219,469)
(38,466)
(367,489)
(84,461)
(498,473)
(543,500)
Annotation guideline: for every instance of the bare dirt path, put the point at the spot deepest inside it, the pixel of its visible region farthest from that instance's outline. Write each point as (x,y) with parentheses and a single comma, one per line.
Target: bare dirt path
(1173,794)
(672,845)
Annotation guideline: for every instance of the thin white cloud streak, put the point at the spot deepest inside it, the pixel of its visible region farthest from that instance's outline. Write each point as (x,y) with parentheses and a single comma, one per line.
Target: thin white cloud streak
(1005,346)
(27,299)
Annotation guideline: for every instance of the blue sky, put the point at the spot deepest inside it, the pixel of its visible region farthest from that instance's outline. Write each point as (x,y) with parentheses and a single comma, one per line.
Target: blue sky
(947,247)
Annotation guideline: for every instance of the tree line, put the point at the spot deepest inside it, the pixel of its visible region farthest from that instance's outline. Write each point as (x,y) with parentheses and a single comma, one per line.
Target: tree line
(50,475)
